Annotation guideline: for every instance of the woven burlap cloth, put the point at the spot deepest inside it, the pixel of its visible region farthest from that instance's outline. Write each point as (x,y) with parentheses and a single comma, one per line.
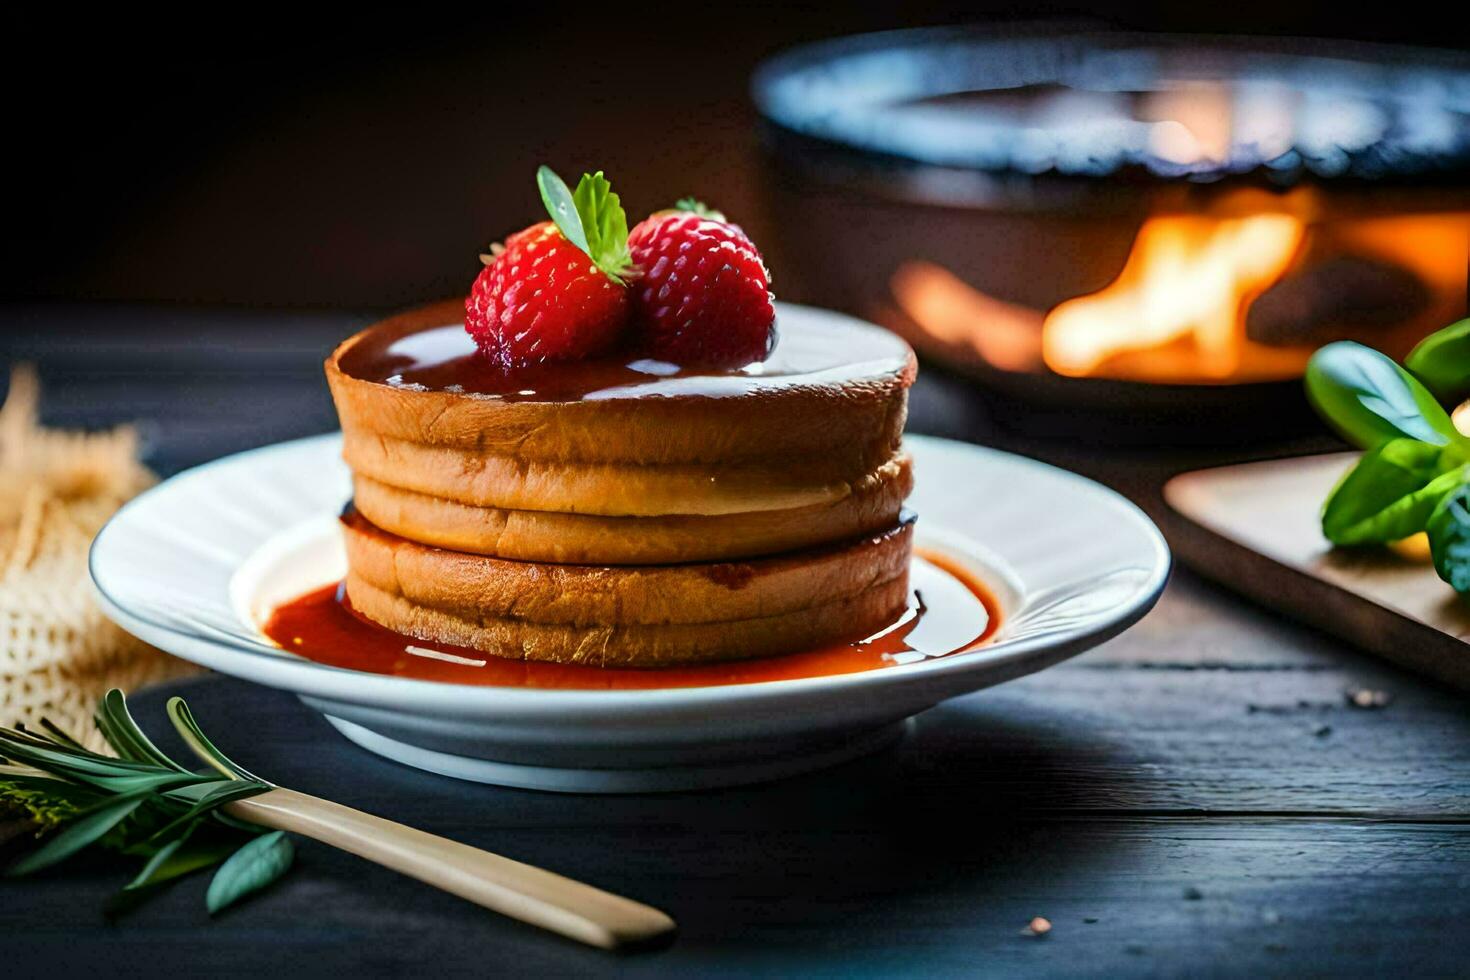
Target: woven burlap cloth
(58,653)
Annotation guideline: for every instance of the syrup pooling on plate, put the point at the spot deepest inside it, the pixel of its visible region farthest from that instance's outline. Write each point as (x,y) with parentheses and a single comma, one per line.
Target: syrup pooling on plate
(949,612)
(444,358)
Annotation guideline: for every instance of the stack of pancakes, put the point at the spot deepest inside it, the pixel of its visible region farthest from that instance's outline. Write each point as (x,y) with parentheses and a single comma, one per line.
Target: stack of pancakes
(665,518)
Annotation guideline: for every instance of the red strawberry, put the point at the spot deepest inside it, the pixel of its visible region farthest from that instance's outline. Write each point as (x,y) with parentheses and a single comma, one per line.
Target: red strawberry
(704,293)
(556,291)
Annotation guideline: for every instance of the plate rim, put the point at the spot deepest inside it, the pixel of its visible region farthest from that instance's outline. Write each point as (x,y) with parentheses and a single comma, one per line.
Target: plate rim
(304,676)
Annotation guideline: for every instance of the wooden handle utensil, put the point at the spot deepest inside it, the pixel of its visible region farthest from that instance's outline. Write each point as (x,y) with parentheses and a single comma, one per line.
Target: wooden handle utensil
(523,892)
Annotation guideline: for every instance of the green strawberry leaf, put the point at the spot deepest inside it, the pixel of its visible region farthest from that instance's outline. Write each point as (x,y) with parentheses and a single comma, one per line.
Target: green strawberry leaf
(696,206)
(591,218)
(1442,362)
(606,225)
(1449,538)
(1391,492)
(1369,399)
(557,197)
(249,869)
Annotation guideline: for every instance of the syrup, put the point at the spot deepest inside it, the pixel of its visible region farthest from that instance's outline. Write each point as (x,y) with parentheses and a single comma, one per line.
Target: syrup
(949,612)
(818,347)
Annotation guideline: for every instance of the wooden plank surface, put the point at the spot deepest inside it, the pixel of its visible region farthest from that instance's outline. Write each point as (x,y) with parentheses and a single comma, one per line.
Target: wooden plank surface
(1261,535)
(1200,786)
(1117,788)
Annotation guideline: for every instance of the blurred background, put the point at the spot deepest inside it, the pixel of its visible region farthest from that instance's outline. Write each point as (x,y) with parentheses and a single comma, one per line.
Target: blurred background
(292,159)
(1170,229)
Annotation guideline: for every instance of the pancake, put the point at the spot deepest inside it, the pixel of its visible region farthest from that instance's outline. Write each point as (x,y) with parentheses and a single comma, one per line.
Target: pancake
(626,512)
(606,489)
(644,646)
(655,615)
(422,412)
(534,535)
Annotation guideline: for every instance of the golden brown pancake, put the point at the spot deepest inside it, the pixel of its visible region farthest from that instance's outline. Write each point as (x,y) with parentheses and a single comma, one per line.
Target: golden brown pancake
(623,511)
(547,536)
(644,616)
(606,489)
(421,411)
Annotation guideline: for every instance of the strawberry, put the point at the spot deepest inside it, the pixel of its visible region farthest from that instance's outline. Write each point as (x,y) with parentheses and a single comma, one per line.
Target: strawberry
(703,296)
(557,290)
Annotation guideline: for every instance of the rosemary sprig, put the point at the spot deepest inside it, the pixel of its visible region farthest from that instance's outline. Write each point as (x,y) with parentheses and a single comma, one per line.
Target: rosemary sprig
(141,803)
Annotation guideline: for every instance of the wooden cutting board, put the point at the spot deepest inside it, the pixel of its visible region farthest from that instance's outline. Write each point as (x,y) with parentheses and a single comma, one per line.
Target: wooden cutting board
(1254,528)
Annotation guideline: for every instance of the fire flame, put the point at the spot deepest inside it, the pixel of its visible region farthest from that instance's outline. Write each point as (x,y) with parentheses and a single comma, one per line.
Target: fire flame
(1178,311)
(965,322)
(1188,278)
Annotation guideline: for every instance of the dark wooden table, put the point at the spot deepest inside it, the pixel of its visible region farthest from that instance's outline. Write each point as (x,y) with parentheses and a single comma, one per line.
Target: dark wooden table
(1195,797)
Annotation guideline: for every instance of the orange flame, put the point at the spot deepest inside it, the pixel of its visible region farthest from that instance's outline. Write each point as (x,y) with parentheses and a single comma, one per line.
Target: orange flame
(1186,284)
(965,323)
(1177,313)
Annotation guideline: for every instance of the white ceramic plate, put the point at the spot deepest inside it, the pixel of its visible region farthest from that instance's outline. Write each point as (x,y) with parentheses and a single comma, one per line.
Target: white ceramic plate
(193,565)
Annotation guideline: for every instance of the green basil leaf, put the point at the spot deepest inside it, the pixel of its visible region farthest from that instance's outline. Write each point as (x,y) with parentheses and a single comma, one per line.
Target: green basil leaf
(1369,399)
(1449,538)
(83,829)
(250,869)
(1442,362)
(1390,493)
(557,197)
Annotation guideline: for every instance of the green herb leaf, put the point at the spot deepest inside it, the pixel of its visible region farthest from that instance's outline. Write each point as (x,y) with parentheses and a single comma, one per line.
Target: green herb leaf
(1449,538)
(150,873)
(58,735)
(154,782)
(47,801)
(122,733)
(221,792)
(1442,362)
(86,828)
(1370,399)
(1390,493)
(199,743)
(181,856)
(250,869)
(557,197)
(141,803)
(68,763)
(606,225)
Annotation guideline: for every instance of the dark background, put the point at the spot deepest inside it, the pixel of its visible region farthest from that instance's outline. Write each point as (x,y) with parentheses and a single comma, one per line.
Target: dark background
(284,158)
